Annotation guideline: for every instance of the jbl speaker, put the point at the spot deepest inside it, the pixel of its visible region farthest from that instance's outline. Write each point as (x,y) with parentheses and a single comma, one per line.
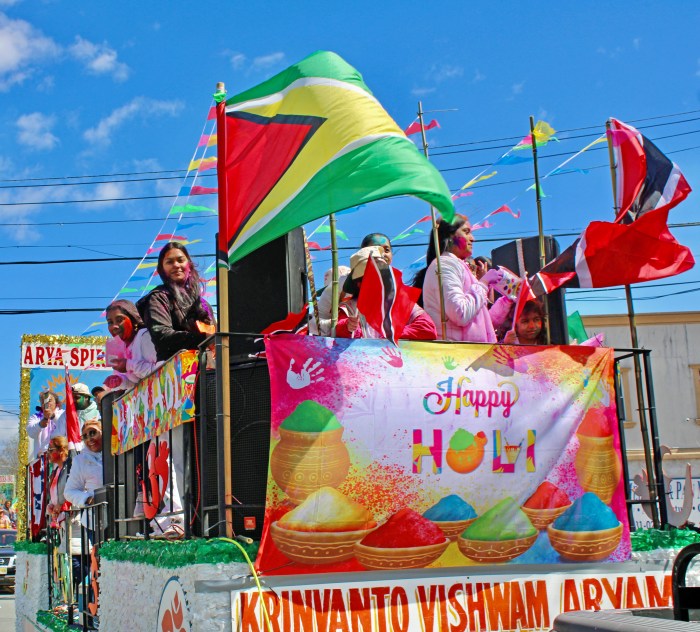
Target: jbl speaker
(264,287)
(250,448)
(508,256)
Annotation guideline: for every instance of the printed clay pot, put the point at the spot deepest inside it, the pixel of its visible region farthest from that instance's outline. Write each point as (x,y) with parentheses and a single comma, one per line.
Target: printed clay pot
(303,462)
(597,466)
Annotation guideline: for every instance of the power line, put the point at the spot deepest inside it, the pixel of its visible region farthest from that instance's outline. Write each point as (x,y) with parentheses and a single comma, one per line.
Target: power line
(203,175)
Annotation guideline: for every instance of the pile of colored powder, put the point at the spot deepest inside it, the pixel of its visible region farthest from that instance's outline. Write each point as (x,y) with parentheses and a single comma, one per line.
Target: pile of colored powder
(504,521)
(328,510)
(588,513)
(547,496)
(310,416)
(461,440)
(595,424)
(406,528)
(450,507)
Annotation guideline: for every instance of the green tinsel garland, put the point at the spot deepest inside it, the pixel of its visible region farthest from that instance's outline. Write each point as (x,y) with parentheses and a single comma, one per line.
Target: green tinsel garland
(175,554)
(650,539)
(52,621)
(33,548)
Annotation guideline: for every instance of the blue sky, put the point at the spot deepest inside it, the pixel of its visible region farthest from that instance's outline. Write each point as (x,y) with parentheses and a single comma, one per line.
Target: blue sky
(96,89)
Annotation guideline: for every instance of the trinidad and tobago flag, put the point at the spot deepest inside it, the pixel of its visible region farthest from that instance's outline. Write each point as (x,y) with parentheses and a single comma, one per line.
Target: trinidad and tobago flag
(310,141)
(384,301)
(638,245)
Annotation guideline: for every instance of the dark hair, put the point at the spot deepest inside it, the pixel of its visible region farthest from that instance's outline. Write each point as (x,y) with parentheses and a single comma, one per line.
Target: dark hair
(531,307)
(446,231)
(173,245)
(129,310)
(191,292)
(482,259)
(371,240)
(44,394)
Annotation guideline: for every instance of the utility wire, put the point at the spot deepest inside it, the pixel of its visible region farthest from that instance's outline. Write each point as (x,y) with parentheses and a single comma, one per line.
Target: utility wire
(465,144)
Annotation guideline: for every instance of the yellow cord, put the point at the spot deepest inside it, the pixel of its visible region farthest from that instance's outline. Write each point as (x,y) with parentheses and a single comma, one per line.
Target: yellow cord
(255,577)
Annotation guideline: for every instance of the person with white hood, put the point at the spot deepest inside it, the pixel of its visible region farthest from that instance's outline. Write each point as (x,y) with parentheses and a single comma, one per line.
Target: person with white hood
(86,473)
(48,422)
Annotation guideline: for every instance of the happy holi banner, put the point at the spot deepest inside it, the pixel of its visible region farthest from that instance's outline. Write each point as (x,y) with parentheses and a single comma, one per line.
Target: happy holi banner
(160,402)
(483,603)
(433,455)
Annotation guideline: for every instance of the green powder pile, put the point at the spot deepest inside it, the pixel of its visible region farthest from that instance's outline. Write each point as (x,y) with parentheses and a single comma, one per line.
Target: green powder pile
(504,521)
(310,416)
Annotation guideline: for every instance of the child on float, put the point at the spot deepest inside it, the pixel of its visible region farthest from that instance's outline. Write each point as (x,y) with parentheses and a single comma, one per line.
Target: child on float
(351,324)
(139,359)
(134,355)
(530,327)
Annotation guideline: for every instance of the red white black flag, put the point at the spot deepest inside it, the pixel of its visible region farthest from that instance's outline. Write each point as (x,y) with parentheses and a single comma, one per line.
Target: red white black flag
(384,301)
(646,179)
(638,245)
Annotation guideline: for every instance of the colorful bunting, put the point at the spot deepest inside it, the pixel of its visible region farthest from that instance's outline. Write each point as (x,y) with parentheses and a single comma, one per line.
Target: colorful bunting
(479,178)
(207,140)
(482,224)
(543,133)
(212,114)
(456,196)
(505,209)
(313,245)
(169,237)
(414,127)
(189,208)
(323,228)
(202,164)
(407,234)
(507,159)
(143,266)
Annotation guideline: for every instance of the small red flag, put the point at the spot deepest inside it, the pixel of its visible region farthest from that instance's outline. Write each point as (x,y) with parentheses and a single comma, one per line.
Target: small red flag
(292,324)
(414,127)
(72,421)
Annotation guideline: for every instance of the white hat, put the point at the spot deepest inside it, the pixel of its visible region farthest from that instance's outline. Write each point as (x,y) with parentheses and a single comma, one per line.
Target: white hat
(81,389)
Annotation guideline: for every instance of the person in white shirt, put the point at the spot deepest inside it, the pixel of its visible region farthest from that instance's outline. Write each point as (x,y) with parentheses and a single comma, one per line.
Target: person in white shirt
(48,423)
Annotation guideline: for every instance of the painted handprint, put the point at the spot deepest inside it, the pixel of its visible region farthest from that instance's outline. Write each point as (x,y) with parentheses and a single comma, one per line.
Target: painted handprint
(307,375)
(449,362)
(392,357)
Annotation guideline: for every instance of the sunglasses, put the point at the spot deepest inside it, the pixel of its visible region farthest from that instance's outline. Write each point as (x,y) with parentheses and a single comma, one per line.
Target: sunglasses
(90,434)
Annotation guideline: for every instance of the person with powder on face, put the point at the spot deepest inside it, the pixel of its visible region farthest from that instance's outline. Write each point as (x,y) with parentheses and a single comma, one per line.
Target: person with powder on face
(48,422)
(465,297)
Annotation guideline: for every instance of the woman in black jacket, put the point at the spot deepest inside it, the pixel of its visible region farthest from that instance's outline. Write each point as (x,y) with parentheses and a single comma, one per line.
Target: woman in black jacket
(175,313)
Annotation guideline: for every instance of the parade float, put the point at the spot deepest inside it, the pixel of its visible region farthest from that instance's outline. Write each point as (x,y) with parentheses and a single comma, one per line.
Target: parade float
(350,484)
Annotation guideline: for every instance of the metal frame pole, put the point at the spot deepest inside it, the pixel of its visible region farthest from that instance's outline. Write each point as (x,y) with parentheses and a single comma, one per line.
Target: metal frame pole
(436,240)
(648,455)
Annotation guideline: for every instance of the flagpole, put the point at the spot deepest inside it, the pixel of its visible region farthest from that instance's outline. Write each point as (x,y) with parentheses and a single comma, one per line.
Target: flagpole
(334,285)
(224,365)
(436,240)
(540,228)
(653,496)
(312,282)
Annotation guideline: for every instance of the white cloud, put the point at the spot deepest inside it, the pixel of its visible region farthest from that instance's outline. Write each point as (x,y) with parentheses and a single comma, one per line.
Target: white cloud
(443,72)
(637,42)
(478,76)
(265,61)
(99,59)
(238,60)
(144,107)
(421,92)
(20,46)
(517,88)
(35,131)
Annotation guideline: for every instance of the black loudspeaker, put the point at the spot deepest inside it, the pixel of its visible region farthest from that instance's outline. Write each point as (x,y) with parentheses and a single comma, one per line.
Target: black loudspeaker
(250,449)
(507,256)
(264,287)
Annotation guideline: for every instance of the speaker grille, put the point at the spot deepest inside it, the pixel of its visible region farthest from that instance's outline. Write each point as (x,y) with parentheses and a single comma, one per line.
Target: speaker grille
(250,448)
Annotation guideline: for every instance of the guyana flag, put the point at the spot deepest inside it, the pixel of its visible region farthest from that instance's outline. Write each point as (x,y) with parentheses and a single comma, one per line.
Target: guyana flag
(308,142)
